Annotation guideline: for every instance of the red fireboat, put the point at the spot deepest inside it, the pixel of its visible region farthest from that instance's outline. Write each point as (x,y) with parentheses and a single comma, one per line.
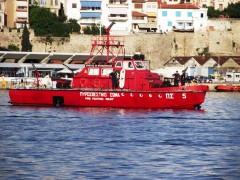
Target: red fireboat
(115,82)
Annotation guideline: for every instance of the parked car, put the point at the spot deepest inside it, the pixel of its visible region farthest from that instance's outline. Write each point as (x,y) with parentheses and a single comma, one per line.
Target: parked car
(203,79)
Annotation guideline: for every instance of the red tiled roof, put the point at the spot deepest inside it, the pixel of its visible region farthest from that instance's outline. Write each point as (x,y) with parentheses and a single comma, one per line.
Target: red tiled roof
(177,6)
(181,59)
(138,14)
(220,59)
(236,59)
(203,59)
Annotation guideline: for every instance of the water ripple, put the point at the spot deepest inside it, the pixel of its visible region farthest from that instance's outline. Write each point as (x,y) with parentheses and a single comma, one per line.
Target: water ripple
(114,143)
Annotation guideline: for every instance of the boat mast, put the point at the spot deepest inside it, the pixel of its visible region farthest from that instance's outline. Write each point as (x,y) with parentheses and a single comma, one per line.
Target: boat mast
(107,42)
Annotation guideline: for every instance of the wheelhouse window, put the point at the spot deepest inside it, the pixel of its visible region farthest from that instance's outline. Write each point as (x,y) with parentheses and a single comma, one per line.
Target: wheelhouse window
(118,64)
(93,71)
(106,71)
(139,64)
(128,65)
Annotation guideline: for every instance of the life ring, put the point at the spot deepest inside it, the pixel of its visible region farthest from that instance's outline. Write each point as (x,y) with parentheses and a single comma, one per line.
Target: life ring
(160,96)
(96,83)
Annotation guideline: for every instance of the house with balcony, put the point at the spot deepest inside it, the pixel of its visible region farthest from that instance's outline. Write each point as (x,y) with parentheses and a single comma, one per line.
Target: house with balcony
(181,17)
(21,13)
(151,10)
(118,11)
(52,5)
(90,12)
(139,16)
(2,14)
(14,13)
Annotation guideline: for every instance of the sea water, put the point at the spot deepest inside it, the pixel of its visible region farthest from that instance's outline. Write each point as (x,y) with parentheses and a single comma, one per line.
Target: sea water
(112,143)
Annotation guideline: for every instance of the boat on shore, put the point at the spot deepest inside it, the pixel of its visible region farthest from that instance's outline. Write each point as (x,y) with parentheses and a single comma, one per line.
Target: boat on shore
(228,88)
(115,82)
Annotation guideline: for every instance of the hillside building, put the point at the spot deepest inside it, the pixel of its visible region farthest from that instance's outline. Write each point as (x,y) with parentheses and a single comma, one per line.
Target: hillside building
(181,17)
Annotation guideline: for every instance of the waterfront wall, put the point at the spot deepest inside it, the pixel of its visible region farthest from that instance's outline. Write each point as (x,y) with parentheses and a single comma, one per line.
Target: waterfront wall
(222,37)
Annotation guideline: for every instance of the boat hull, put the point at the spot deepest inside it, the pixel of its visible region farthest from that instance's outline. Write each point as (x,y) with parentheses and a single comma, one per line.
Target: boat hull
(227,88)
(180,99)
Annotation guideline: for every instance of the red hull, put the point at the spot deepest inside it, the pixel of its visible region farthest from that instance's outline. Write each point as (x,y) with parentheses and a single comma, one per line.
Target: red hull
(179,99)
(227,88)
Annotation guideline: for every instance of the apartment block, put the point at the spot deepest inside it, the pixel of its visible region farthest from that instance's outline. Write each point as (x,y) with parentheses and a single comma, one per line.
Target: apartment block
(2,14)
(52,5)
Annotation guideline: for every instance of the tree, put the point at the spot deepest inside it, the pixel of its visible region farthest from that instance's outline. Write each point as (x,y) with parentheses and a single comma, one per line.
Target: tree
(26,45)
(87,30)
(212,13)
(61,15)
(233,10)
(73,25)
(46,23)
(95,29)
(13,47)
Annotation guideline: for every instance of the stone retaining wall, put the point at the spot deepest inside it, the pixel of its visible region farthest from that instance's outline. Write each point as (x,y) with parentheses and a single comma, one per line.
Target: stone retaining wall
(221,38)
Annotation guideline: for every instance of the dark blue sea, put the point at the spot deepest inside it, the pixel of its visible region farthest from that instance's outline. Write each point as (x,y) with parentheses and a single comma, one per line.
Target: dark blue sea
(109,143)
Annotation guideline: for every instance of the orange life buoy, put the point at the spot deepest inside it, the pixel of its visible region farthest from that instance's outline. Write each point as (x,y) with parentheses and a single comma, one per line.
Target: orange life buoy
(96,83)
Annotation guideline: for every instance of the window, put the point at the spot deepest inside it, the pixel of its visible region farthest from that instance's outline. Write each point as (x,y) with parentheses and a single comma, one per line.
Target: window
(180,24)
(178,13)
(0,19)
(169,23)
(74,5)
(93,71)
(130,65)
(56,2)
(138,6)
(106,71)
(201,15)
(139,64)
(189,14)
(118,64)
(189,24)
(220,7)
(164,13)
(127,65)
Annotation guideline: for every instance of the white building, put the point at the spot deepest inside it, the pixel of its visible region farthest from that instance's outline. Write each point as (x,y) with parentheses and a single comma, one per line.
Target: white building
(2,13)
(72,9)
(119,11)
(182,17)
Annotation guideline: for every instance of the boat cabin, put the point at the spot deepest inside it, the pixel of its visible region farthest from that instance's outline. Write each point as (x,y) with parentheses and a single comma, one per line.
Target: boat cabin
(130,74)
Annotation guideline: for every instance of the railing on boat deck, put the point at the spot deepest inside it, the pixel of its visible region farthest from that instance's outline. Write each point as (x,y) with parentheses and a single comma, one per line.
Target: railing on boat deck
(105,40)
